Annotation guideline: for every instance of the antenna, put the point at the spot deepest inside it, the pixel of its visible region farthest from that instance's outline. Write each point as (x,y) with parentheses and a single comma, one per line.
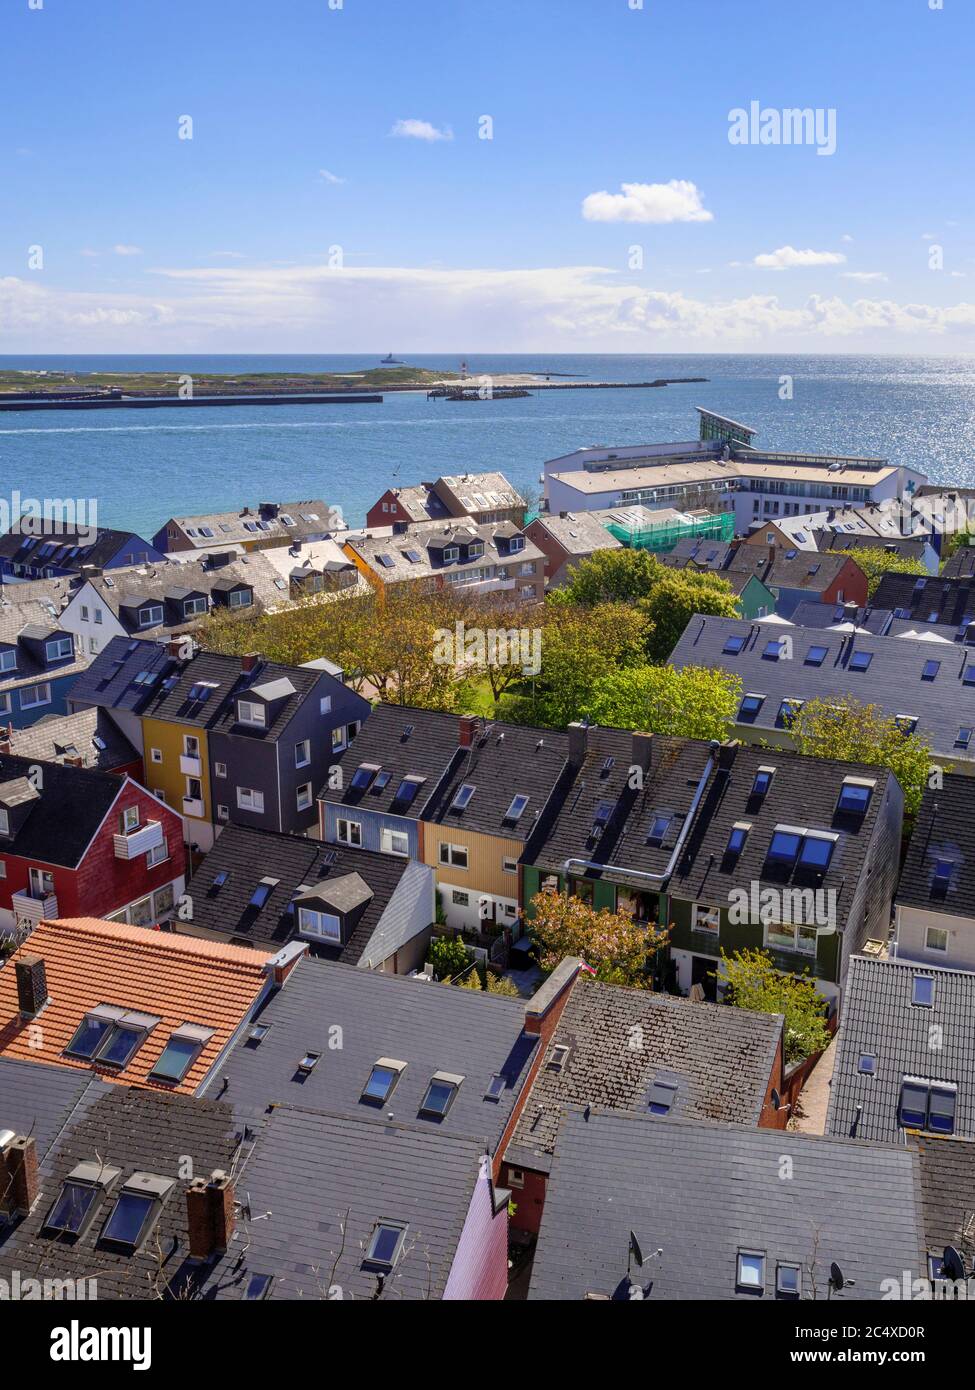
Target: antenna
(952,1263)
(838,1280)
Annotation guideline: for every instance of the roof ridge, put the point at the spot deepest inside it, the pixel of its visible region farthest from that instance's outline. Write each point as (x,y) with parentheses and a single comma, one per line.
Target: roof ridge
(149,937)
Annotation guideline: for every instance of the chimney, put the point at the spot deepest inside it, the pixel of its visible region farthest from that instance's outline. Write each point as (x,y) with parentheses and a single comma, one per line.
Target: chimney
(578,742)
(19,1184)
(248,662)
(210,1215)
(5,736)
(175,647)
(75,760)
(727,751)
(466,729)
(642,750)
(32,992)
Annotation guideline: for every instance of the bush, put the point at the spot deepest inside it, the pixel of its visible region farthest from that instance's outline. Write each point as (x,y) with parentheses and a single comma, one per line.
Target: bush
(448,956)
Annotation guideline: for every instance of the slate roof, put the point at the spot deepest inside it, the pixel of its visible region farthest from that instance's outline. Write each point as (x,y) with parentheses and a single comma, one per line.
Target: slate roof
(136,1131)
(431,1027)
(176,980)
(311,518)
(314,1173)
(504,760)
(53,739)
(169,586)
(777,567)
(420,502)
(928,600)
(70,806)
(31,618)
(428,542)
(40,1100)
(873,618)
(907,547)
(879,1019)
(622,1040)
(893,680)
(15,546)
(464,494)
(947,1193)
(944,830)
(428,750)
(247,855)
(698,1193)
(578,533)
(111,683)
(961,565)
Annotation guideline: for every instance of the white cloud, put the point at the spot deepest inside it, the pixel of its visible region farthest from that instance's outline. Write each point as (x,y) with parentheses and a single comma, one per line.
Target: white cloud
(412,129)
(788,258)
(864,275)
(122,250)
(228,255)
(846,237)
(329,177)
(248,308)
(87,251)
(676,201)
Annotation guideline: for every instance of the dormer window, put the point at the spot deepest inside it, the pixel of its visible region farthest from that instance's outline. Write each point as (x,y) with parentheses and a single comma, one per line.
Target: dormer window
(855,796)
(240,598)
(450,554)
(249,712)
(8,660)
(60,648)
(151,615)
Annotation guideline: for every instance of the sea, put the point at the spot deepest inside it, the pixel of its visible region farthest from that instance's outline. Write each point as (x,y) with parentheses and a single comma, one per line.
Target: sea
(142,467)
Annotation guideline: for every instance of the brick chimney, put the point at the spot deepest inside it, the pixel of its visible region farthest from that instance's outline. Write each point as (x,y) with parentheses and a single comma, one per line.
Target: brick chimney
(31,985)
(466,729)
(578,742)
(248,662)
(19,1183)
(175,648)
(75,760)
(642,750)
(210,1214)
(5,736)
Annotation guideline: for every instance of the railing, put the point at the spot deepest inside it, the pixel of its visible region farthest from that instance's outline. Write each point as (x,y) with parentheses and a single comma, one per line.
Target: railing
(139,841)
(27,907)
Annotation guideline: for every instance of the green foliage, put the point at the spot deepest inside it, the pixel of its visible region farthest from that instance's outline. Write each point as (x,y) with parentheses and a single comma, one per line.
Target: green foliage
(448,956)
(500,984)
(756,985)
(856,733)
(876,562)
(693,703)
(674,600)
(610,576)
(618,948)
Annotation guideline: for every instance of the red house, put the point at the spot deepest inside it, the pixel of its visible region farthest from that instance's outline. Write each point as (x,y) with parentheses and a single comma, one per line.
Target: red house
(75,842)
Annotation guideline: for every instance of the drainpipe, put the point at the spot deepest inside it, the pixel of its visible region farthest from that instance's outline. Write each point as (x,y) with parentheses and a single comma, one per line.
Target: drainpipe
(659,880)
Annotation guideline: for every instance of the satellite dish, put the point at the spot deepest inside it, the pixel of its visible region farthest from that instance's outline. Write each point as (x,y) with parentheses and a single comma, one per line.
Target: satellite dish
(952,1263)
(836,1276)
(776,1099)
(635,1250)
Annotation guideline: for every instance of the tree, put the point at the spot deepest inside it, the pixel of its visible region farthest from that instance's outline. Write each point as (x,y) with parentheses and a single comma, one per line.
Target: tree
(675,599)
(852,732)
(696,702)
(876,562)
(610,576)
(448,956)
(613,944)
(756,985)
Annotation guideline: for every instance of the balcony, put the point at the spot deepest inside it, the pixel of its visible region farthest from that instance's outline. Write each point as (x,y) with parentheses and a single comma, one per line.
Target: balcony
(193,806)
(191,766)
(139,841)
(28,908)
(487,586)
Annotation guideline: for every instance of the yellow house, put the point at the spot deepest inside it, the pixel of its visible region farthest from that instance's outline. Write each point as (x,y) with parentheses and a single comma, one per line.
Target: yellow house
(477,875)
(177,768)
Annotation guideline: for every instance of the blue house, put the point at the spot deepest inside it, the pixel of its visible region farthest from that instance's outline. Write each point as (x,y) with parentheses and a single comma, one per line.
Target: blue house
(47,549)
(38,664)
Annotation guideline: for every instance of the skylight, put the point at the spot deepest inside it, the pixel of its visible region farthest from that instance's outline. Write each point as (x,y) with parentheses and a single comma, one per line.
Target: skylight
(737,838)
(463,796)
(930,670)
(773,649)
(662,1097)
(922,991)
(733,644)
(601,817)
(860,661)
(220,879)
(763,780)
(659,825)
(406,791)
(72,1206)
(382,781)
(440,1095)
(496,1087)
(750,706)
(309,1062)
(262,892)
(751,1270)
(784,845)
(854,797)
(135,1211)
(517,807)
(363,775)
(817,851)
(385,1244)
(382,1081)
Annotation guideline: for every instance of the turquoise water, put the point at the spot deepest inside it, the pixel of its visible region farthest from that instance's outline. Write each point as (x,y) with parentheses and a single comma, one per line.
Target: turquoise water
(143,466)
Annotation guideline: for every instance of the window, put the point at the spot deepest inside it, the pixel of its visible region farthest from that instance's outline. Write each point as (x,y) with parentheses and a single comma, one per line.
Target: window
(303,753)
(817,851)
(773,649)
(788,710)
(462,798)
(454,855)
(662,1097)
(509,866)
(963,738)
(60,648)
(867,1064)
(907,723)
(323,924)
(363,775)
(930,670)
(191,746)
(156,755)
(385,1245)
(750,706)
(192,606)
(158,854)
(785,845)
(136,1210)
(860,661)
(395,842)
(8,660)
(516,808)
(33,695)
(751,1270)
(516,1177)
(110,1035)
(733,644)
(928,1105)
(496,1087)
(249,713)
(406,792)
(460,899)
(788,1281)
(75,1201)
(737,838)
(382,1080)
(325,705)
(922,991)
(240,598)
(942,878)
(349,832)
(936,939)
(151,615)
(128,820)
(309,1062)
(705,918)
(250,800)
(181,1051)
(855,796)
(790,937)
(659,825)
(219,769)
(440,1094)
(303,796)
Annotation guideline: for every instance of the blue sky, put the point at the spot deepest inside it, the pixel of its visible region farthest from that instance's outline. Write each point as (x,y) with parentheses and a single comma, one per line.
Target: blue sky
(357,128)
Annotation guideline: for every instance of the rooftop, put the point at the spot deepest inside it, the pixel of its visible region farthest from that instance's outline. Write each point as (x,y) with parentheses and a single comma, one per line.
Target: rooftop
(939,868)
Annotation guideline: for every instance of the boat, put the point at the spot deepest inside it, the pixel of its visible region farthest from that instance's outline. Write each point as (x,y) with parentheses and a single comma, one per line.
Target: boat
(390,361)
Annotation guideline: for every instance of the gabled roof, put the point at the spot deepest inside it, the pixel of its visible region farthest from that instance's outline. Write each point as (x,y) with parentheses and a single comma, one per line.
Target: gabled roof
(928,600)
(404,742)
(578,533)
(504,761)
(944,835)
(468,493)
(134,1131)
(326,1180)
(420,502)
(41,1100)
(947,1193)
(29,620)
(846,616)
(894,679)
(907,547)
(19,546)
(620,1041)
(168,585)
(69,806)
(934,1044)
(175,980)
(74,735)
(390,556)
(428,1027)
(259,523)
(247,855)
(694,1195)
